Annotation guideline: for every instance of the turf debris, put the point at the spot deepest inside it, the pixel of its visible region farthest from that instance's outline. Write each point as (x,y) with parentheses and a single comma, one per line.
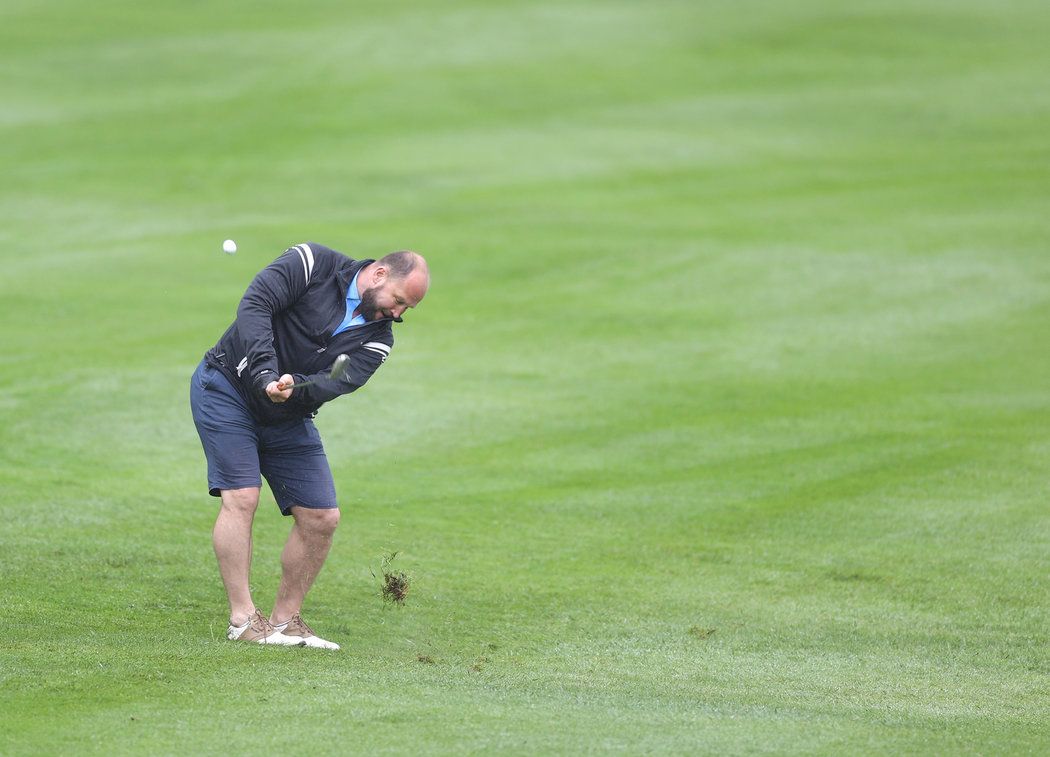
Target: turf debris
(395,584)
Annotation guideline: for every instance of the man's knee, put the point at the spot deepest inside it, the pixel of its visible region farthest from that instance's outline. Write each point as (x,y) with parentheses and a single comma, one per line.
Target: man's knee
(240,501)
(322,522)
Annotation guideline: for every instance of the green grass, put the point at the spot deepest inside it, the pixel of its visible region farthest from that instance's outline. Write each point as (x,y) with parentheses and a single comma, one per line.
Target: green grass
(725,427)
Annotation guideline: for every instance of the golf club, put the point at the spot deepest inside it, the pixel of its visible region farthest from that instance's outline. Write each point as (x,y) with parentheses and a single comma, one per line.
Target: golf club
(335,373)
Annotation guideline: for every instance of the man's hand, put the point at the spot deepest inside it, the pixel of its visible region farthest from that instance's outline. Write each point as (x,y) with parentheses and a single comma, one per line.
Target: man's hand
(281,390)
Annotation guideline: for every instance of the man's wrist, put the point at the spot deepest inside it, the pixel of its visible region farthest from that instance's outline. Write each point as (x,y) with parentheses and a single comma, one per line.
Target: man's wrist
(263,379)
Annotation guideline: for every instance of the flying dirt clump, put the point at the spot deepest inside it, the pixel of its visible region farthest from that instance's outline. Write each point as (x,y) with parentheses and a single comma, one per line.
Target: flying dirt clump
(394,584)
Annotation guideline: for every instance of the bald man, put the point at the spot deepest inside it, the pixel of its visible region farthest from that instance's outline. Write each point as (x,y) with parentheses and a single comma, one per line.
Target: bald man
(309,306)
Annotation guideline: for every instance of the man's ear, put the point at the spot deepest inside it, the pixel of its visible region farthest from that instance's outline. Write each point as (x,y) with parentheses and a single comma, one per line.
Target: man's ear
(379,274)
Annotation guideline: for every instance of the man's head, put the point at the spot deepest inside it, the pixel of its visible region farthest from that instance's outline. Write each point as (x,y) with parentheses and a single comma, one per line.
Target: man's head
(391,285)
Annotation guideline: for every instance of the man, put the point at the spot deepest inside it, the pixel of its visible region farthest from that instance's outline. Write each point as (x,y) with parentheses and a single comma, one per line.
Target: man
(299,313)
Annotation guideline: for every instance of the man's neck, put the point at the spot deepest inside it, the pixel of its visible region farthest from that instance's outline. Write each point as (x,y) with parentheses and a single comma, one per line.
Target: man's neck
(364,278)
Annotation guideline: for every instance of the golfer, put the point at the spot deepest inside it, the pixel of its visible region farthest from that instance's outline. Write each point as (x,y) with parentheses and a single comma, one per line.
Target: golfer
(309,306)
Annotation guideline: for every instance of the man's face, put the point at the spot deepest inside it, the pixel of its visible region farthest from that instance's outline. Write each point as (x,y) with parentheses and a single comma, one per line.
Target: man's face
(392,297)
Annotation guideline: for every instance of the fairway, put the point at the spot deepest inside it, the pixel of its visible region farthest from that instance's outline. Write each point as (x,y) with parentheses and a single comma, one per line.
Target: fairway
(724,428)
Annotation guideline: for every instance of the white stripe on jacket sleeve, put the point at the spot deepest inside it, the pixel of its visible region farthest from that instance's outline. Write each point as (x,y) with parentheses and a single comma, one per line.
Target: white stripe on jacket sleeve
(378,348)
(305,250)
(306,255)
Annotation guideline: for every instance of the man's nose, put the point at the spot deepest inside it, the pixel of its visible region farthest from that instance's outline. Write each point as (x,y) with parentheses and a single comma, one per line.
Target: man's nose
(399,311)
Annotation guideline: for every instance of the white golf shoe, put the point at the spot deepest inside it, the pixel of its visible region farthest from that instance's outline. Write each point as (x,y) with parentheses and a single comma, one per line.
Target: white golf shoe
(261,631)
(296,628)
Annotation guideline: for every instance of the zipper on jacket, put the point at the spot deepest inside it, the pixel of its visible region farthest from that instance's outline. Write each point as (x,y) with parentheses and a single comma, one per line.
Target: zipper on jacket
(369,323)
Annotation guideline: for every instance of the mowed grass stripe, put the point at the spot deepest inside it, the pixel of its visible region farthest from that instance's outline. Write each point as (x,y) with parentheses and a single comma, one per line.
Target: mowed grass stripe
(720,431)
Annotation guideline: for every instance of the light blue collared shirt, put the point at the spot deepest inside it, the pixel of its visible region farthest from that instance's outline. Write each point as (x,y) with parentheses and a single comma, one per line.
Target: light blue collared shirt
(353,299)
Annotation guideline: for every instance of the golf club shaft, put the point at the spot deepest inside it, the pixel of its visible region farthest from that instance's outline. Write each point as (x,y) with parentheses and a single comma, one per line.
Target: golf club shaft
(304,383)
(333,375)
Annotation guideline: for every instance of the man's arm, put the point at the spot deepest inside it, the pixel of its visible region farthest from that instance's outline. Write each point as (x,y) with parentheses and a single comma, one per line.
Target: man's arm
(274,289)
(362,364)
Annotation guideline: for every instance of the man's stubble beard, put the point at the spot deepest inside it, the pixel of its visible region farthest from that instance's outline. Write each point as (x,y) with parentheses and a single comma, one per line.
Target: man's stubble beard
(368,308)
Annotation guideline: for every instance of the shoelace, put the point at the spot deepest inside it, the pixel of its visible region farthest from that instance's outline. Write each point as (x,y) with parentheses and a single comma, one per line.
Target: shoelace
(300,624)
(259,623)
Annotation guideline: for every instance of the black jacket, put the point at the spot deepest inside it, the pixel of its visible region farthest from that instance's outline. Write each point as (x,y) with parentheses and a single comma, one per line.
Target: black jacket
(284,325)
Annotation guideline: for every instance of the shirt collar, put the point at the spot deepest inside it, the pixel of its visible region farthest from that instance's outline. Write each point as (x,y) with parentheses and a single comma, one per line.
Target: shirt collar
(351,292)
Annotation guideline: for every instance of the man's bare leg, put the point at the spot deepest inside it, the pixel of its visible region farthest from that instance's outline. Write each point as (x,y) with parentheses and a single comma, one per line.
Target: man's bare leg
(232,539)
(304,554)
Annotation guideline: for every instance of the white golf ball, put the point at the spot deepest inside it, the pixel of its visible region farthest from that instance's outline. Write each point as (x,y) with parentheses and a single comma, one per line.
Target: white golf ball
(229,247)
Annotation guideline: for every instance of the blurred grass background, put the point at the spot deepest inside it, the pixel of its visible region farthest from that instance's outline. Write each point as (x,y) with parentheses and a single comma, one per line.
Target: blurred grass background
(723,428)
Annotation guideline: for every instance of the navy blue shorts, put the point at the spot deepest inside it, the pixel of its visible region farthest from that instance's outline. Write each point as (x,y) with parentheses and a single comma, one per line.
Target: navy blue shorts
(240,450)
